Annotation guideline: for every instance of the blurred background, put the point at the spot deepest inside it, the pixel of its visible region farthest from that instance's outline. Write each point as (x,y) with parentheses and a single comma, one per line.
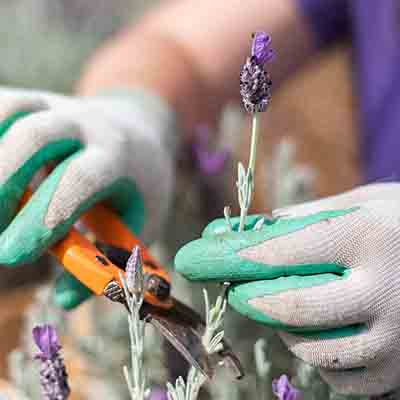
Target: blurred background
(44,44)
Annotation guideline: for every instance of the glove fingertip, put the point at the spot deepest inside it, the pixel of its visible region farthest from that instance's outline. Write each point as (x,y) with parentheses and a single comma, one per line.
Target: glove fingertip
(69,292)
(239,300)
(69,300)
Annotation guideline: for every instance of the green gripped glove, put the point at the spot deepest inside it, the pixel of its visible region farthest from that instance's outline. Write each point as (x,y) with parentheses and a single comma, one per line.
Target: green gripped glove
(325,274)
(106,148)
(220,256)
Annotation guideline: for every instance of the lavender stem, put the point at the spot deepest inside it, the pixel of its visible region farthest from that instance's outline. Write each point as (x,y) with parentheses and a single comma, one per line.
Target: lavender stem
(250,170)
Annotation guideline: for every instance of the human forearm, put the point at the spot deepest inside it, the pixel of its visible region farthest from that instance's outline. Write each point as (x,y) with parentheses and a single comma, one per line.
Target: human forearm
(190,52)
(138,58)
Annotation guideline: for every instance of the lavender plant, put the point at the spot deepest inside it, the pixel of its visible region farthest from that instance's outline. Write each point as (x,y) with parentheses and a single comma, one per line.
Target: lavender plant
(211,340)
(255,89)
(133,285)
(22,369)
(53,374)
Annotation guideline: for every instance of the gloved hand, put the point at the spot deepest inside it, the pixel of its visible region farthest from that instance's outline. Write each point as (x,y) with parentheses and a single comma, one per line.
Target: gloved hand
(107,147)
(326,274)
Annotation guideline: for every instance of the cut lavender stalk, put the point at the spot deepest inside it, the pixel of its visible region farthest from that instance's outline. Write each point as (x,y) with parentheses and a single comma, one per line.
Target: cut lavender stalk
(255,90)
(53,374)
(255,83)
(133,285)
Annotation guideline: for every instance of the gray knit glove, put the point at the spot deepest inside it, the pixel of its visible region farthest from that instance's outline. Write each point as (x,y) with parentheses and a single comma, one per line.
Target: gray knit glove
(326,274)
(105,148)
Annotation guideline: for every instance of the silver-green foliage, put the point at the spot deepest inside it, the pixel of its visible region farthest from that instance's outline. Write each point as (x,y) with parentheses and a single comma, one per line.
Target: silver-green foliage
(211,340)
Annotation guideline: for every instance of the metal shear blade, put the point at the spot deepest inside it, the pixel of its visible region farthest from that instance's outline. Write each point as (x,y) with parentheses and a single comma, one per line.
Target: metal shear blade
(180,325)
(183,328)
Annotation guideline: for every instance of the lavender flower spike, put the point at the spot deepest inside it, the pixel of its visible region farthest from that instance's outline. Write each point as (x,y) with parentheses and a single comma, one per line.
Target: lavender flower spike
(134,273)
(255,83)
(53,375)
(283,389)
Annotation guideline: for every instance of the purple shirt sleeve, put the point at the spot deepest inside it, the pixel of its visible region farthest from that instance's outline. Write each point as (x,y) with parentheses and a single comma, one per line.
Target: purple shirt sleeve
(328,19)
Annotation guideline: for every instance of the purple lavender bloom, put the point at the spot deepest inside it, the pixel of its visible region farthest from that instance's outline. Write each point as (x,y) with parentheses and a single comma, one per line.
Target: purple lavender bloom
(53,375)
(255,83)
(260,47)
(158,394)
(46,339)
(134,273)
(283,389)
(209,162)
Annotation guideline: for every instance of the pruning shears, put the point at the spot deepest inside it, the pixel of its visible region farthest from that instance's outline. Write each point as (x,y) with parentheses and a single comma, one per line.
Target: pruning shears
(98,266)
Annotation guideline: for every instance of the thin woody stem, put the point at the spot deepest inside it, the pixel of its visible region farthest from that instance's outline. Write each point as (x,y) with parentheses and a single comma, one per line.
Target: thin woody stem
(253,146)
(251,169)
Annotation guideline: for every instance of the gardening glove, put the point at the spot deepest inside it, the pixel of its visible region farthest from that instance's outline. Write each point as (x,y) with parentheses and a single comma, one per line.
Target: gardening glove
(325,274)
(110,147)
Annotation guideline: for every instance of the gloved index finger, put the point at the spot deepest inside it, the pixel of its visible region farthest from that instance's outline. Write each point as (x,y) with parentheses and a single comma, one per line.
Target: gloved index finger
(241,256)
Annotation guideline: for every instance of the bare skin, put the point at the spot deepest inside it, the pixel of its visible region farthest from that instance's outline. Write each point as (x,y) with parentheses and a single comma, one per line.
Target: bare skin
(190,52)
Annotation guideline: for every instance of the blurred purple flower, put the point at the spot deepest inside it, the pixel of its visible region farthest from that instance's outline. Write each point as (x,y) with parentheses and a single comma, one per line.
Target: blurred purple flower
(46,339)
(53,375)
(158,394)
(283,389)
(209,162)
(260,47)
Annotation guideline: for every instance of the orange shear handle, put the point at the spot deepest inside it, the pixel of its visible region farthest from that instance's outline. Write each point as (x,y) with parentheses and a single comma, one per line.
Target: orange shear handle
(85,262)
(109,229)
